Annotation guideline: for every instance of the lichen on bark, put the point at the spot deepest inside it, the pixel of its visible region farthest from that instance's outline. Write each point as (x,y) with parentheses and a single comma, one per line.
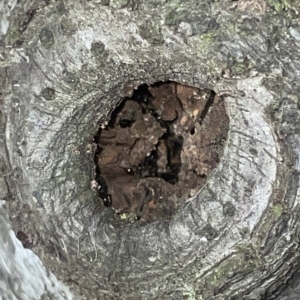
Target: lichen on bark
(66,66)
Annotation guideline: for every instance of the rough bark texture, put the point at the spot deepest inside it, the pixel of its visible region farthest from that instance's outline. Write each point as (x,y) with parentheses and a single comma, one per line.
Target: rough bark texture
(65,65)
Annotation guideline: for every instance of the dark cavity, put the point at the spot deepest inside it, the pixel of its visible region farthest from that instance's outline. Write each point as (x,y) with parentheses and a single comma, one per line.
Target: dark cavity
(158,148)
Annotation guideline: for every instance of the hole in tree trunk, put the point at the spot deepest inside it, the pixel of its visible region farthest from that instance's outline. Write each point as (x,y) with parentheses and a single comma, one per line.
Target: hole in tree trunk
(159,147)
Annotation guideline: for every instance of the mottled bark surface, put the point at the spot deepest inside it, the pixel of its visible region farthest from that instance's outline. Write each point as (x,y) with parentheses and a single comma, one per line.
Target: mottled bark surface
(64,67)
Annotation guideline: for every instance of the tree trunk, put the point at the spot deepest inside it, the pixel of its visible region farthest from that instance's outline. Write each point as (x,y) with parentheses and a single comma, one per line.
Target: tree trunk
(65,65)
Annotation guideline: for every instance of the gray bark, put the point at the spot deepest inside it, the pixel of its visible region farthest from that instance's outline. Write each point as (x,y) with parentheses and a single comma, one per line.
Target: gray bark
(65,66)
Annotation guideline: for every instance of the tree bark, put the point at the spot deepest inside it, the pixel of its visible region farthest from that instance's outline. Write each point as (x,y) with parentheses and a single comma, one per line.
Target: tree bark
(65,65)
